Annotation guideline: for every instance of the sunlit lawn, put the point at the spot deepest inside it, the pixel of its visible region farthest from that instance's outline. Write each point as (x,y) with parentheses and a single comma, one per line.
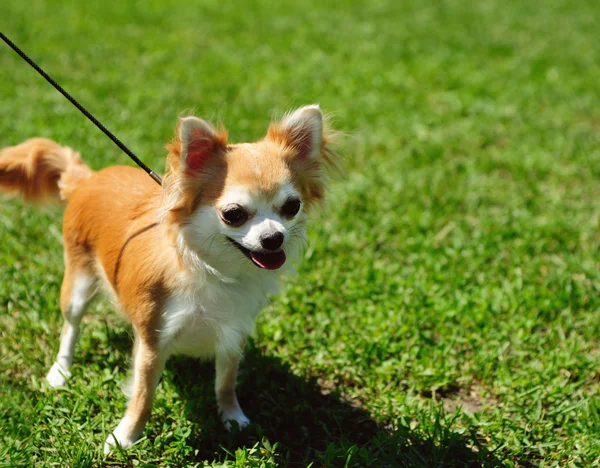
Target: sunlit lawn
(446,312)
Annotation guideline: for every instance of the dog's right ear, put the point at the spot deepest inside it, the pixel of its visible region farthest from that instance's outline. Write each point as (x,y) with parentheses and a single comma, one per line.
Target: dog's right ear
(200,142)
(302,130)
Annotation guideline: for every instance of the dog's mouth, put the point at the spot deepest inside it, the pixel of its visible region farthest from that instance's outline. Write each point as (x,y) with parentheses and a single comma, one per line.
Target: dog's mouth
(265,260)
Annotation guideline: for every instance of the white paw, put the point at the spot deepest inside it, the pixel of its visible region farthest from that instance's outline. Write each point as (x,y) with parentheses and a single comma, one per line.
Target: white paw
(120,435)
(235,414)
(57,376)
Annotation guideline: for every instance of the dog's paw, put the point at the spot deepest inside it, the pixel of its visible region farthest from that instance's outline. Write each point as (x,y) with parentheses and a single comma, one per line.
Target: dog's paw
(120,437)
(57,376)
(234,417)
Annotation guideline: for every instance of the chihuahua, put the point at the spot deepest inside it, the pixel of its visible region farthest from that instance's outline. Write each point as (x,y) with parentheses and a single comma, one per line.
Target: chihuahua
(189,264)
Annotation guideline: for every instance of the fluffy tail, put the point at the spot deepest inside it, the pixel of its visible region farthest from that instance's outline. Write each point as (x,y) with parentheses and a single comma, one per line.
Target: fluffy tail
(40,170)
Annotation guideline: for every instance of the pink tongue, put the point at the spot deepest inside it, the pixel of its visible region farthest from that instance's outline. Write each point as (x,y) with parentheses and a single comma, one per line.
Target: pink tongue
(269,261)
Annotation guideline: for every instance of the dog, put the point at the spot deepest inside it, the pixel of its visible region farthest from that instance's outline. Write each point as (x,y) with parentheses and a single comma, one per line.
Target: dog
(190,264)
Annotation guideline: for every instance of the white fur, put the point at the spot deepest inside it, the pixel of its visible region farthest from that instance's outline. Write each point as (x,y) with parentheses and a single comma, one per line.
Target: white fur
(213,314)
(235,414)
(230,411)
(213,309)
(83,291)
(123,435)
(57,375)
(209,316)
(264,217)
(218,302)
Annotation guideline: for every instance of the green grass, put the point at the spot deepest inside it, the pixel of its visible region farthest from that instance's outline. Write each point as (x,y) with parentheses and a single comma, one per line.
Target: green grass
(447,311)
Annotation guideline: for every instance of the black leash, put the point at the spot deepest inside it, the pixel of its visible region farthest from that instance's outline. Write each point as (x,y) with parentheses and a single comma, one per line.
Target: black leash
(73,101)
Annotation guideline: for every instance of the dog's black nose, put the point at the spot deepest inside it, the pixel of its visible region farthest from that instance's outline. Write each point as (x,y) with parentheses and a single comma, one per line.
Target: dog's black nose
(271,241)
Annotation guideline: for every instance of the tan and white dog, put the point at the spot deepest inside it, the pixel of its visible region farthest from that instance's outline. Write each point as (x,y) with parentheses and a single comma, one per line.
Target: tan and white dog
(189,264)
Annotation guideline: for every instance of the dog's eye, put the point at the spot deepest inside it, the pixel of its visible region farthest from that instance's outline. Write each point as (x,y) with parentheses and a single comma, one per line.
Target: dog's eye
(235,215)
(291,207)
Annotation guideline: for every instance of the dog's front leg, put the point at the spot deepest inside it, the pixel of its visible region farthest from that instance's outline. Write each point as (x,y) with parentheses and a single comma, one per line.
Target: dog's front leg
(226,364)
(149,362)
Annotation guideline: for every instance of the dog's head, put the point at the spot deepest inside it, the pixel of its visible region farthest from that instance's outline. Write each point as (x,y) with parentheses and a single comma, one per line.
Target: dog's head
(242,205)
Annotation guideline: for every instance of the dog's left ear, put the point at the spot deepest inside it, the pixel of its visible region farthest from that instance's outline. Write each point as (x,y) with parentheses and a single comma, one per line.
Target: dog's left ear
(302,130)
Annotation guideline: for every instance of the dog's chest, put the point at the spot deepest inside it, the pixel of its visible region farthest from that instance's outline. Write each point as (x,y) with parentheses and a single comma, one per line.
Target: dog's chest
(211,315)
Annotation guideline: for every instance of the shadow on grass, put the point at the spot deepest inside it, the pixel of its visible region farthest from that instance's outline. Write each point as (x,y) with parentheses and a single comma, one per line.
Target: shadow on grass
(311,426)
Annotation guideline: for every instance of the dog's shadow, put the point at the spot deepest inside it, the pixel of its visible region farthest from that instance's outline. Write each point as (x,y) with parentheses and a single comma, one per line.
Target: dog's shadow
(283,407)
(310,422)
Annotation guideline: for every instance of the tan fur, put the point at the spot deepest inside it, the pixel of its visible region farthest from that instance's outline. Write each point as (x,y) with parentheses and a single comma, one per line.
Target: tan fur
(40,169)
(202,189)
(148,367)
(308,174)
(110,224)
(120,227)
